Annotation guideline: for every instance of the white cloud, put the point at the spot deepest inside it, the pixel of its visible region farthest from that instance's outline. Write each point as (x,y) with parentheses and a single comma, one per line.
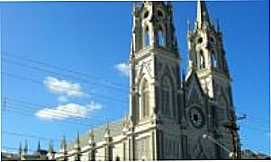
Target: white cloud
(62,99)
(63,87)
(70,110)
(123,68)
(94,106)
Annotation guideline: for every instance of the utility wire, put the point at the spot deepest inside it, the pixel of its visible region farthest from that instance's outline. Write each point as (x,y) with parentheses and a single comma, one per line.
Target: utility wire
(70,120)
(29,106)
(17,110)
(74,74)
(67,121)
(28,135)
(40,83)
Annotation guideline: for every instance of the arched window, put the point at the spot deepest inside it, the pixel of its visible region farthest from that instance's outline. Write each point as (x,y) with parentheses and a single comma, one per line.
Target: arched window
(145,97)
(166,96)
(146,37)
(213,58)
(223,102)
(202,61)
(161,38)
(160,13)
(91,155)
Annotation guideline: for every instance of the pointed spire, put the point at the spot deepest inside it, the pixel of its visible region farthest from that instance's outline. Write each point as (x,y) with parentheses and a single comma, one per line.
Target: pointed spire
(202,13)
(77,143)
(50,147)
(63,145)
(107,131)
(38,147)
(91,140)
(25,147)
(20,150)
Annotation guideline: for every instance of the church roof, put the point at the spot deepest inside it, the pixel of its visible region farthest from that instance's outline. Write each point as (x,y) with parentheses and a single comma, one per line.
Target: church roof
(115,129)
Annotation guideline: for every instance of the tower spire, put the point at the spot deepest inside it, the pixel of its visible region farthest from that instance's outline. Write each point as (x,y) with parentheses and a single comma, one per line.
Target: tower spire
(25,147)
(63,145)
(202,13)
(20,149)
(50,146)
(38,147)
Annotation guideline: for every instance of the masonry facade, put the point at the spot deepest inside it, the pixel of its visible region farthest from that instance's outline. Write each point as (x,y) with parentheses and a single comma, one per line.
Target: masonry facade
(172,115)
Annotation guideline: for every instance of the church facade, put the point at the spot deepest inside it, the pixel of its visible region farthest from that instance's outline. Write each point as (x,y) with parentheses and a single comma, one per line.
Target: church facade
(172,115)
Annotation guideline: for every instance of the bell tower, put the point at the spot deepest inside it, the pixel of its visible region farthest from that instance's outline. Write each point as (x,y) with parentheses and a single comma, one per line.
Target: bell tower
(154,62)
(154,79)
(207,59)
(207,55)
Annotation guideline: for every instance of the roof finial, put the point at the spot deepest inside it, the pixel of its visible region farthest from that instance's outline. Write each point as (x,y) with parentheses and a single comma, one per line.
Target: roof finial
(202,13)
(77,144)
(20,149)
(91,137)
(25,147)
(63,145)
(38,148)
(50,147)
(107,131)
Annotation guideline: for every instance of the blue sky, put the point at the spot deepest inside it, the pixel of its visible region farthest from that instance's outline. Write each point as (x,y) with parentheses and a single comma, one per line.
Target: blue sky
(93,39)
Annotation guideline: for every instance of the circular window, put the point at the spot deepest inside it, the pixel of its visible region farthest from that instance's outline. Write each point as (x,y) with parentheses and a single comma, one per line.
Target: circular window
(196,117)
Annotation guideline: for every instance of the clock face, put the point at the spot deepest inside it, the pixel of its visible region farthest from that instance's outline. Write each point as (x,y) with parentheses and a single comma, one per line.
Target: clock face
(196,117)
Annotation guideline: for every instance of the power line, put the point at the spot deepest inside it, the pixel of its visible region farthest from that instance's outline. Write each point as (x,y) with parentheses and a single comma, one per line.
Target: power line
(66,121)
(25,59)
(28,135)
(75,74)
(22,113)
(20,109)
(40,83)
(26,104)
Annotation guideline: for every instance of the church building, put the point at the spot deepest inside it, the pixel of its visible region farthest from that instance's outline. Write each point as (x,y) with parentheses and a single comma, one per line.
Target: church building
(172,115)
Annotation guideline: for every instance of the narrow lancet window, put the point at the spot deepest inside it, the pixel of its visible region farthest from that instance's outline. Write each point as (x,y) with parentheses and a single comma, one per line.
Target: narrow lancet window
(161,38)
(202,61)
(145,99)
(146,37)
(166,96)
(214,61)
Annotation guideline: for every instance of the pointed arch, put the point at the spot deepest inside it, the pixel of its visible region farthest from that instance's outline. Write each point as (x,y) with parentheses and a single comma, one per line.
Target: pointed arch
(146,36)
(223,101)
(213,59)
(144,99)
(201,59)
(167,96)
(161,37)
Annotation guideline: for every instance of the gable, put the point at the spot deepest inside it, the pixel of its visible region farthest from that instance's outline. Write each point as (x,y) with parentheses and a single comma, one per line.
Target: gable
(194,92)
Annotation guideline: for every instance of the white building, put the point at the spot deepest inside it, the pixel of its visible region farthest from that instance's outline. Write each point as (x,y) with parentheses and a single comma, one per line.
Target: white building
(170,113)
